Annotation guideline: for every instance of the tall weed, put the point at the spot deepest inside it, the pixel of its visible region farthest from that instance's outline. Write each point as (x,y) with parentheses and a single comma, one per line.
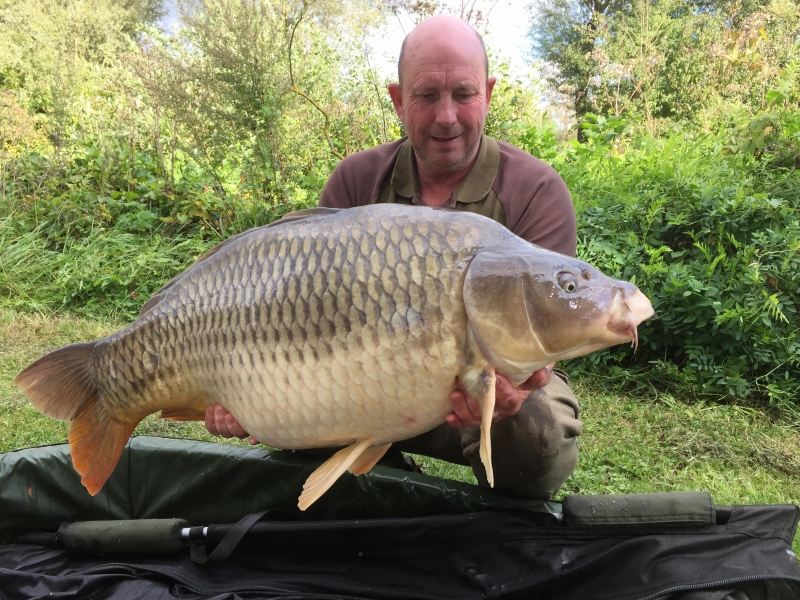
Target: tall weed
(107,272)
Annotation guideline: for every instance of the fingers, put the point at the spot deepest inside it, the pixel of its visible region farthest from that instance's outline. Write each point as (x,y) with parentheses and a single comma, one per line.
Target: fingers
(210,421)
(233,427)
(540,378)
(222,423)
(508,398)
(466,410)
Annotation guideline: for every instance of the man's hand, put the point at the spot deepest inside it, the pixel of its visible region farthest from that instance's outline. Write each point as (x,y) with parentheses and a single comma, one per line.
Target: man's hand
(220,422)
(508,399)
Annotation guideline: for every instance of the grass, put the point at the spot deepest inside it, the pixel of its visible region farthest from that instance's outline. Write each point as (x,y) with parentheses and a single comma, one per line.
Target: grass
(741,455)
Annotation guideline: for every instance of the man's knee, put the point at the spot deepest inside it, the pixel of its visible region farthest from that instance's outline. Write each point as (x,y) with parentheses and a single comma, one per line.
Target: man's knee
(536,450)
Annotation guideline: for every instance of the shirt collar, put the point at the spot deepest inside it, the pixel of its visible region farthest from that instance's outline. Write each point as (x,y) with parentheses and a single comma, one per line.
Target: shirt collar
(475,186)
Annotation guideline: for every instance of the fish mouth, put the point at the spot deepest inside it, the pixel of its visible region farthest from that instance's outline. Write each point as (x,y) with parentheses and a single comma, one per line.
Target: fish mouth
(629,333)
(634,309)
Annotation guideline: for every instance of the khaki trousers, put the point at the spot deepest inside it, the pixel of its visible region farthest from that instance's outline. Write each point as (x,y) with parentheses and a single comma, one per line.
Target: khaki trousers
(533,452)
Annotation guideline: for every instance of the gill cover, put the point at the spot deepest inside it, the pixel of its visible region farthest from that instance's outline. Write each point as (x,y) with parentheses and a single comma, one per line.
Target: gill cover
(497,310)
(530,307)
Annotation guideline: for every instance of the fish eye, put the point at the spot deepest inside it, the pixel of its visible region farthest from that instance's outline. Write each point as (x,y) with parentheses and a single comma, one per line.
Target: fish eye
(568,282)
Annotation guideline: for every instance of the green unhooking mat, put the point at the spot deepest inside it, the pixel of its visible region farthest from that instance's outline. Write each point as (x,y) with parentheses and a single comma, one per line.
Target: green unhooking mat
(230,529)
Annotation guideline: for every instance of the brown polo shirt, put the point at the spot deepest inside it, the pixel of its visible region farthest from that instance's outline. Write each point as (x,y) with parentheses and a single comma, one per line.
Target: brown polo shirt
(505,184)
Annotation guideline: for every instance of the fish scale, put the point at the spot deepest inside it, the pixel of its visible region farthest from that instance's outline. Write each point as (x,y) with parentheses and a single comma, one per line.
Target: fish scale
(333,328)
(355,299)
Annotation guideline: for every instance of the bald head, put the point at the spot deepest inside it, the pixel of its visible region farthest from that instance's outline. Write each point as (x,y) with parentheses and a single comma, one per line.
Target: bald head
(443,96)
(432,34)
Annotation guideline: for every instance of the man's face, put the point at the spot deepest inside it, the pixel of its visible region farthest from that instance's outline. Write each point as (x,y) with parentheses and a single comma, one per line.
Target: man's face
(444,101)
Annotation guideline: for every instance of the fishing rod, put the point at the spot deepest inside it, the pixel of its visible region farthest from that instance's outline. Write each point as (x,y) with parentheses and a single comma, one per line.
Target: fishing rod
(150,536)
(166,536)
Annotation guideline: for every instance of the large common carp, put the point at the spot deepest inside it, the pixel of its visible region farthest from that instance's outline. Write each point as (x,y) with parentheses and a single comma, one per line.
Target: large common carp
(335,328)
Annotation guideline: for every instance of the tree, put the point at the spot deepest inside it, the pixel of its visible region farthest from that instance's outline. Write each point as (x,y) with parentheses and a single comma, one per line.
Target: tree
(54,53)
(141,14)
(564,33)
(662,60)
(245,79)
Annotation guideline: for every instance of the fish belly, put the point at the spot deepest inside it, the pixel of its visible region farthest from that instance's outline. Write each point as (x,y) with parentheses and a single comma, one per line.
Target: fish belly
(310,337)
(335,404)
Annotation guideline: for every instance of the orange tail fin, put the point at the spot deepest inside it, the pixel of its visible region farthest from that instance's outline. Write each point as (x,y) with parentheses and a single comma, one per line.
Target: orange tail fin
(60,385)
(96,441)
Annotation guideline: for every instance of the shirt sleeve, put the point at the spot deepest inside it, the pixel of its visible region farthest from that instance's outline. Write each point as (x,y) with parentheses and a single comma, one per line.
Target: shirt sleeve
(535,199)
(548,219)
(335,193)
(359,177)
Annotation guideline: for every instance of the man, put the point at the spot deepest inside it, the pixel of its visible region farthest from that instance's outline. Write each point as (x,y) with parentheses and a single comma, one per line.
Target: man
(442,97)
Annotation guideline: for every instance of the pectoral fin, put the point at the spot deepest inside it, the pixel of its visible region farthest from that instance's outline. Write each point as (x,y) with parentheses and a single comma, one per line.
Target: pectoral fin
(358,457)
(182,414)
(480,383)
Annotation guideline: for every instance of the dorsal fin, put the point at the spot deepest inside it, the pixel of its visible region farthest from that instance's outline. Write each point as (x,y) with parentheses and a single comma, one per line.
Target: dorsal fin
(293,217)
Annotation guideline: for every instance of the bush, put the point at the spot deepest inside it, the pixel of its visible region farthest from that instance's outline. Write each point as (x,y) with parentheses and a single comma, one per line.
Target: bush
(97,228)
(713,238)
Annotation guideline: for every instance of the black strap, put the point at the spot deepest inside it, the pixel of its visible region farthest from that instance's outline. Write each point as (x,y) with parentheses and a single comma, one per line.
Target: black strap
(228,544)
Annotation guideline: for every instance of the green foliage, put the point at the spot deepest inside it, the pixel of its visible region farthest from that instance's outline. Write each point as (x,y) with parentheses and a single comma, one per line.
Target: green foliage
(103,272)
(54,55)
(663,61)
(712,237)
(563,33)
(101,225)
(151,156)
(255,87)
(123,156)
(773,131)
(92,186)
(514,101)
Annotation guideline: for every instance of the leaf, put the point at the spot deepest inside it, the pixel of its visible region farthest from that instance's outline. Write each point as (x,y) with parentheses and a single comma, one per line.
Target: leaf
(775,97)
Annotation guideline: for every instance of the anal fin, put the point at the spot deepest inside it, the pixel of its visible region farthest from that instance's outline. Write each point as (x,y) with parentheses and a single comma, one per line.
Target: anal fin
(328,472)
(96,441)
(182,414)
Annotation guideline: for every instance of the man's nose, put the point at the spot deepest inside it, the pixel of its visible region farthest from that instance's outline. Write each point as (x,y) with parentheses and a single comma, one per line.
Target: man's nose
(446,110)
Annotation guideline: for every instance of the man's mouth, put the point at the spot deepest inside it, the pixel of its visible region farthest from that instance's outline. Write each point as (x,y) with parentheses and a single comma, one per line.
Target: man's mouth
(444,140)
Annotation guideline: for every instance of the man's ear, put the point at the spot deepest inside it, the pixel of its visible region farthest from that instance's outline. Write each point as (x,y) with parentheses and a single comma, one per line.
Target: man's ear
(397,99)
(489,87)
